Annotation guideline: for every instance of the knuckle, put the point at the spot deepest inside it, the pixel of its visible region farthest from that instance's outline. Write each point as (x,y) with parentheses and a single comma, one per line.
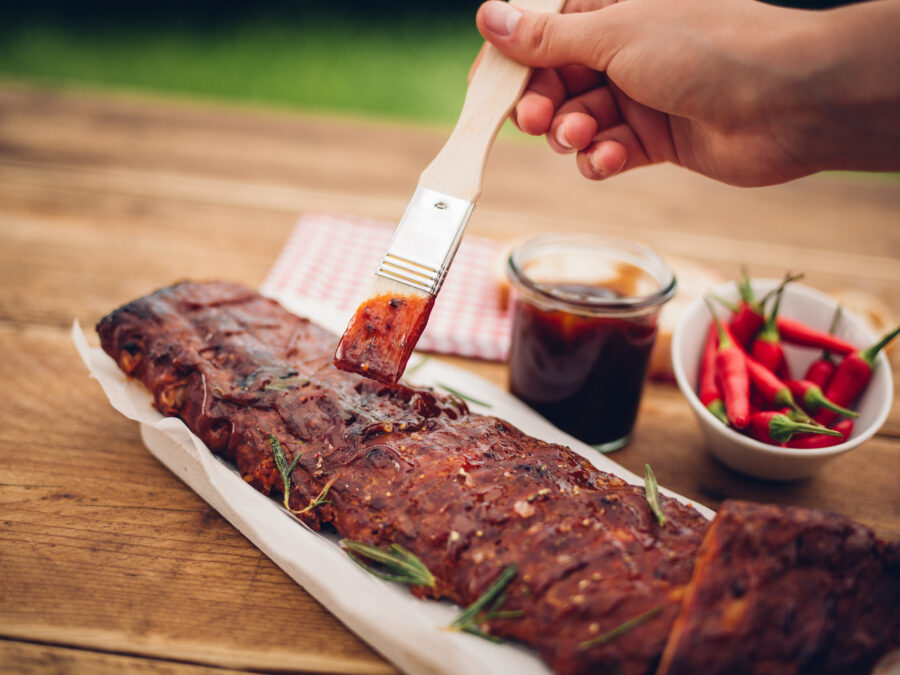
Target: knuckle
(539,39)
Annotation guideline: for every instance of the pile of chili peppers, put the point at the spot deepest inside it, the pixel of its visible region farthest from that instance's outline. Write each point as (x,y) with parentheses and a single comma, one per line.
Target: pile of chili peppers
(745,381)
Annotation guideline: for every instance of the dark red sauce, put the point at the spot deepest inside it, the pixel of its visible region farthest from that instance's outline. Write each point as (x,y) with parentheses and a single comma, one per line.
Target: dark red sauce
(382,335)
(583,373)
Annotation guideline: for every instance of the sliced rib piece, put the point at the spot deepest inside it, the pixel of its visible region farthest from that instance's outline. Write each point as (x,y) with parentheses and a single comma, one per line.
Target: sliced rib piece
(780,589)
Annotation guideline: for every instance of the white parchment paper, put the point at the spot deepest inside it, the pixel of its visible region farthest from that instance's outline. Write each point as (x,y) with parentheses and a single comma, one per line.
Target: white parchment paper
(410,633)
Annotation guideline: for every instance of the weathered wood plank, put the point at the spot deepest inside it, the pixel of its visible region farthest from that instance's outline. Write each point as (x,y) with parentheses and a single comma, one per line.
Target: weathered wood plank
(367,158)
(66,213)
(103,548)
(23,658)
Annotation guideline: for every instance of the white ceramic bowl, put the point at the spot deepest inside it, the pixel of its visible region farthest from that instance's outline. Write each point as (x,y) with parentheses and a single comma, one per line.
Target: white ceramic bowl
(746,454)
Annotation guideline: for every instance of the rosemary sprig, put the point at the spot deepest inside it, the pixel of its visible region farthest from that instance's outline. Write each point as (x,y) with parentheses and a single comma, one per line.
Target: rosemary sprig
(406,568)
(413,369)
(495,597)
(287,383)
(283,468)
(318,499)
(651,489)
(464,397)
(620,629)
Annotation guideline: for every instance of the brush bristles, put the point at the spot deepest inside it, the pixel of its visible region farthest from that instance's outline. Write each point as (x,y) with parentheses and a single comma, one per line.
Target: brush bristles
(384,331)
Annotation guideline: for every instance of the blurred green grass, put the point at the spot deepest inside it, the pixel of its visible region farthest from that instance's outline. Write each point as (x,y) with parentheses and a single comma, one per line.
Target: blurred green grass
(409,67)
(401,61)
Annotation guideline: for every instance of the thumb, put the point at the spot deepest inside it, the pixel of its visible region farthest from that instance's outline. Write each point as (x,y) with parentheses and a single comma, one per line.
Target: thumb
(548,40)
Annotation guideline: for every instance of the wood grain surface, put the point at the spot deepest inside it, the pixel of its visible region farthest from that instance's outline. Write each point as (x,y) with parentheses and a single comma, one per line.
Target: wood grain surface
(109,563)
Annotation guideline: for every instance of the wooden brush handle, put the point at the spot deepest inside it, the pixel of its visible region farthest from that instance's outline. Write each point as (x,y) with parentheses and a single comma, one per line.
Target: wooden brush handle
(495,88)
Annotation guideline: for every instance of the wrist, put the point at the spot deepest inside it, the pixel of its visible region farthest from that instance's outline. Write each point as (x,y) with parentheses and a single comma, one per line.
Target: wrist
(837,94)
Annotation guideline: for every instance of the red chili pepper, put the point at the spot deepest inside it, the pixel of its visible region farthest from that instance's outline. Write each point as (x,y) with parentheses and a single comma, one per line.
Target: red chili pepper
(822,369)
(845,426)
(745,323)
(775,428)
(731,376)
(766,348)
(708,391)
(750,314)
(773,391)
(812,399)
(852,376)
(757,403)
(798,333)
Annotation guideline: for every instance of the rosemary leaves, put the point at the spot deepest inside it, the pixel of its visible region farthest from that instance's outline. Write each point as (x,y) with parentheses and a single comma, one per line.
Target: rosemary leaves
(413,369)
(620,629)
(651,489)
(487,607)
(394,563)
(283,467)
(318,500)
(463,396)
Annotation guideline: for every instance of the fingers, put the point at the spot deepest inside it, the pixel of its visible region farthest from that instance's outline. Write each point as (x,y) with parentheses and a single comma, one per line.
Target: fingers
(546,96)
(578,79)
(577,121)
(549,40)
(613,150)
(572,132)
(545,93)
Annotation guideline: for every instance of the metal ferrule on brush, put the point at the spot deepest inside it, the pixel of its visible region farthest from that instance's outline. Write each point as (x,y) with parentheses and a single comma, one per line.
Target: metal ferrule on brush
(426,240)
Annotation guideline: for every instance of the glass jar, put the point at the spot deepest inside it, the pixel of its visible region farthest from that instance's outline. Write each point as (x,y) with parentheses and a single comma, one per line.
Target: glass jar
(585,311)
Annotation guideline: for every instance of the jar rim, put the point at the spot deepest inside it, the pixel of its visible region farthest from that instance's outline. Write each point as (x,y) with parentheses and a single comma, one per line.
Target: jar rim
(628,251)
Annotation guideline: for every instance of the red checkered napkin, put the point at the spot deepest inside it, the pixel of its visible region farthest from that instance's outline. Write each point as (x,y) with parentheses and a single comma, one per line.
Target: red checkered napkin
(332,259)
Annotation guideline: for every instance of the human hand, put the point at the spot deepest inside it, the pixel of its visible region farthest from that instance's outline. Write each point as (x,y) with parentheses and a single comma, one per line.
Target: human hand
(710,86)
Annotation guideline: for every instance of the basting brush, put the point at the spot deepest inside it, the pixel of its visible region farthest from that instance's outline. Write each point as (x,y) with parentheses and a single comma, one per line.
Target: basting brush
(386,327)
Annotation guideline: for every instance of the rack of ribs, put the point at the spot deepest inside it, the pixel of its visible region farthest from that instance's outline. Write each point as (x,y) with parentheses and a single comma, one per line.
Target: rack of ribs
(466,493)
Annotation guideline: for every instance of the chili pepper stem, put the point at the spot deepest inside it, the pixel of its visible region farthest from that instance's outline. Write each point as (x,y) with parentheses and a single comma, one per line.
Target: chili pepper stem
(784,397)
(815,399)
(868,355)
(769,331)
(781,428)
(819,441)
(717,408)
(725,303)
(788,278)
(725,341)
(838,312)
(744,287)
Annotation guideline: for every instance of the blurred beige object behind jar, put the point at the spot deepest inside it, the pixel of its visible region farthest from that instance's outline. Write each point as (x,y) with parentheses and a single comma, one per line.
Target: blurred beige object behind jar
(694,280)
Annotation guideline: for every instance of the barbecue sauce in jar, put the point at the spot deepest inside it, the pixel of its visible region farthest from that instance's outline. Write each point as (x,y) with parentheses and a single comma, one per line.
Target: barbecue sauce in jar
(584,323)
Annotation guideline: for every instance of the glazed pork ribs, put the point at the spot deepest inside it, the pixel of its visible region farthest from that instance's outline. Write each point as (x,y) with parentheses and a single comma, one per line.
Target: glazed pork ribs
(468,494)
(599,584)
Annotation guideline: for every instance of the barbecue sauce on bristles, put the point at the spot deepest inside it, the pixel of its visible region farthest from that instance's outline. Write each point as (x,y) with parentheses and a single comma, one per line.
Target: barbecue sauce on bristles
(383,332)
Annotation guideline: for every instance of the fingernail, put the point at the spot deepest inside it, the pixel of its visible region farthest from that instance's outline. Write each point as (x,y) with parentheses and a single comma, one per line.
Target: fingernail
(594,160)
(561,138)
(501,18)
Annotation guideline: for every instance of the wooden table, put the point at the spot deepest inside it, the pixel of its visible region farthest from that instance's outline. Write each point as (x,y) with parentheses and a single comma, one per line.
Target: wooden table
(109,563)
